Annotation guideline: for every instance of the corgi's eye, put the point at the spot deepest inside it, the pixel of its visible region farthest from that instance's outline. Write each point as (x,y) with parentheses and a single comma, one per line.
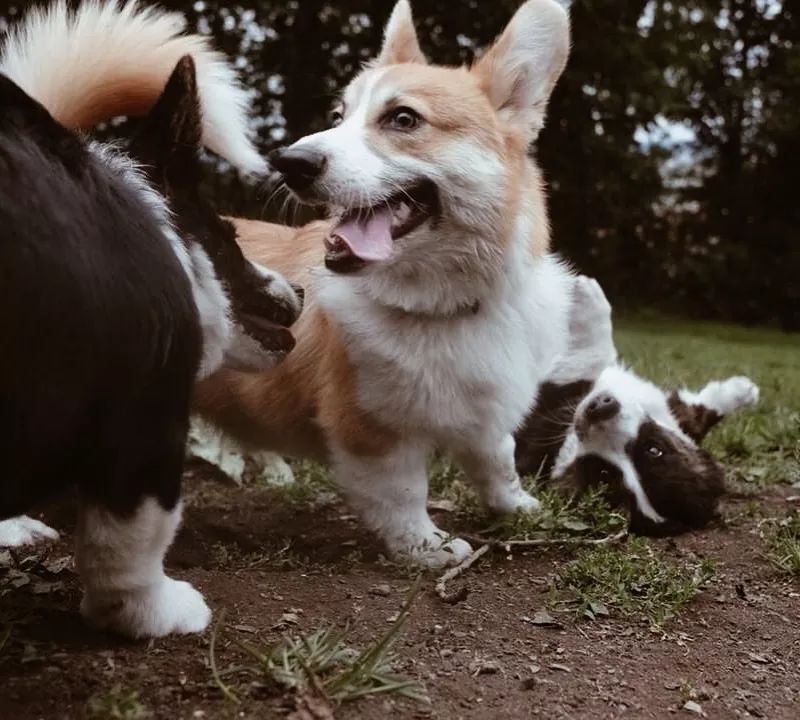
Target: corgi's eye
(655,451)
(336,117)
(402,118)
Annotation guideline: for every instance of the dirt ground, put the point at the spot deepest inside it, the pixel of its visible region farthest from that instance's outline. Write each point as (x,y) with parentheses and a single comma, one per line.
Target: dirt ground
(276,567)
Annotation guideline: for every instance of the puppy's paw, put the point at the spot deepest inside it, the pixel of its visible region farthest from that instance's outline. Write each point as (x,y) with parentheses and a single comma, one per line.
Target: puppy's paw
(24,530)
(589,302)
(590,325)
(286,300)
(728,396)
(168,607)
(741,392)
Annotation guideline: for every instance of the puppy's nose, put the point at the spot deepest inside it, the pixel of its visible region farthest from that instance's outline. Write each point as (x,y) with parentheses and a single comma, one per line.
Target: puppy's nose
(603,407)
(300,167)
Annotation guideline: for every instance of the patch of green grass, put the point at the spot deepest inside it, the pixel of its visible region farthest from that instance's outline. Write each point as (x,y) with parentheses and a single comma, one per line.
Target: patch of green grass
(117,704)
(760,446)
(312,485)
(324,665)
(562,517)
(634,580)
(783,541)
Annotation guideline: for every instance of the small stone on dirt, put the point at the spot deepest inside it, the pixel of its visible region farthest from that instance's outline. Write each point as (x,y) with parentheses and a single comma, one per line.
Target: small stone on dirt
(484,667)
(560,667)
(542,618)
(382,590)
(692,707)
(760,659)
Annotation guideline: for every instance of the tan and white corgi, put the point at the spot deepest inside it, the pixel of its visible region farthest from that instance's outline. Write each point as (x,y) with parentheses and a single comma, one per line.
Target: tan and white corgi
(434,306)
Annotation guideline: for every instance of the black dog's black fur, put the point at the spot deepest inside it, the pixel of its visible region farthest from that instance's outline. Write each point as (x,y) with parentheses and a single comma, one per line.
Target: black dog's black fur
(101,339)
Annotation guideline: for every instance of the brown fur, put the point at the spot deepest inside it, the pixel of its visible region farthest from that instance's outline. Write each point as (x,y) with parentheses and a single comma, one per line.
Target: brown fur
(695,420)
(311,397)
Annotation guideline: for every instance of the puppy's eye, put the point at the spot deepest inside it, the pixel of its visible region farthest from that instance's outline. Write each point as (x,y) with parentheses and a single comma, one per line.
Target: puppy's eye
(655,451)
(403,118)
(605,473)
(336,117)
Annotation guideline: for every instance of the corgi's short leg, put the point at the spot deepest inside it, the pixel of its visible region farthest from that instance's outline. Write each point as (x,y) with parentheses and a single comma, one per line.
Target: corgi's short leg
(23,530)
(120,559)
(390,494)
(491,468)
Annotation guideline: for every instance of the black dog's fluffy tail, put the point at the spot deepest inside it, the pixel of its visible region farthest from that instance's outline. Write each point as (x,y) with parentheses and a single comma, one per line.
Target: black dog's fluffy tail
(108,59)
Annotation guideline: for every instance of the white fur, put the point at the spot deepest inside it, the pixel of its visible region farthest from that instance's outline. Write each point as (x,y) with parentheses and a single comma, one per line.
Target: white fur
(66,59)
(591,340)
(23,530)
(461,383)
(121,564)
(208,443)
(427,366)
(391,493)
(725,396)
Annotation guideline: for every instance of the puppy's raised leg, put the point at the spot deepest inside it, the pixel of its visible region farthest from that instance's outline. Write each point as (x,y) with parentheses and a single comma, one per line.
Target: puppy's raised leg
(23,530)
(591,343)
(491,468)
(390,493)
(698,412)
(121,562)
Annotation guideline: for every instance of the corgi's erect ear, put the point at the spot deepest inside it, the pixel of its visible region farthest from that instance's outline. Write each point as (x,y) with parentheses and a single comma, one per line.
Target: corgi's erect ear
(400,42)
(519,72)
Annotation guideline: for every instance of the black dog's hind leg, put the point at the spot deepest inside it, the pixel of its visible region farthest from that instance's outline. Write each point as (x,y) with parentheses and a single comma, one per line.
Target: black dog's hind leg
(130,512)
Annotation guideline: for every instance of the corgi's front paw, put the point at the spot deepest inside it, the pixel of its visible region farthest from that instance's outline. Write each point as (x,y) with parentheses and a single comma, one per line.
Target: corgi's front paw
(439,551)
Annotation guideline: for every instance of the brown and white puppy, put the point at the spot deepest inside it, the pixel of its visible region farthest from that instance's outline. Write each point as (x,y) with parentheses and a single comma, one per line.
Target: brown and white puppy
(597,423)
(434,305)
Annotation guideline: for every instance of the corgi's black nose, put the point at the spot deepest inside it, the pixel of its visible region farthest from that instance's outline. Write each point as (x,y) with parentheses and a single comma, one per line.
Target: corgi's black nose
(603,407)
(300,167)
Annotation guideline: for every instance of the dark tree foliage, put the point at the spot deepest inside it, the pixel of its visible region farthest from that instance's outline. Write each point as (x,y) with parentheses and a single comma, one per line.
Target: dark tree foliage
(704,221)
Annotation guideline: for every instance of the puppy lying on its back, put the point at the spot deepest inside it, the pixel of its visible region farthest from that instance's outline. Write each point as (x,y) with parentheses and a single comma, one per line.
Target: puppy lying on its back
(597,423)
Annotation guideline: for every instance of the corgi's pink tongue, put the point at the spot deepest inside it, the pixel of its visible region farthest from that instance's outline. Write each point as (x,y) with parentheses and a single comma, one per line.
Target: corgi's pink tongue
(369,238)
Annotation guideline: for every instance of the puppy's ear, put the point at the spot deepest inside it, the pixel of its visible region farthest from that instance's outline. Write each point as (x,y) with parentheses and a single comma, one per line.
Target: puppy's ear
(170,138)
(19,112)
(519,72)
(400,43)
(695,419)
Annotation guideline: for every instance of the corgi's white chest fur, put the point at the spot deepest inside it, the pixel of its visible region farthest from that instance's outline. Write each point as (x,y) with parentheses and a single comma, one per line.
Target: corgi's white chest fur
(446,379)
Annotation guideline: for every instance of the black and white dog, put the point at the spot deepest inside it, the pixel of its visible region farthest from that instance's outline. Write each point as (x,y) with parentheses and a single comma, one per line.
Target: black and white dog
(119,287)
(598,423)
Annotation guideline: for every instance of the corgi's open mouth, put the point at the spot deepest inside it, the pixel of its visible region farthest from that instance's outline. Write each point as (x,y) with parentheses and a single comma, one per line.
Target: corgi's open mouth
(367,234)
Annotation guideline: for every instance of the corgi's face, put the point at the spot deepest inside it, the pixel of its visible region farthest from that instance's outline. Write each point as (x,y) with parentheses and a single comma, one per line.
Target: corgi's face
(426,166)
